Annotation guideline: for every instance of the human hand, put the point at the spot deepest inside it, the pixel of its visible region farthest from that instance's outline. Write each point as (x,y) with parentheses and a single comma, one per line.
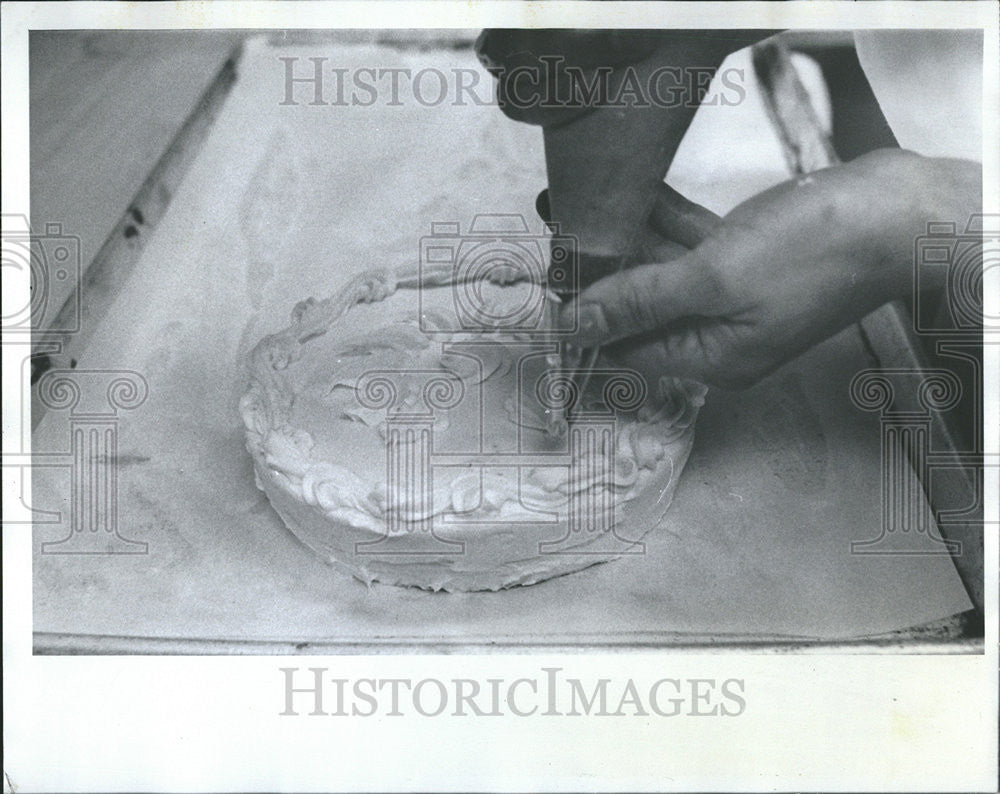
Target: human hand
(783,271)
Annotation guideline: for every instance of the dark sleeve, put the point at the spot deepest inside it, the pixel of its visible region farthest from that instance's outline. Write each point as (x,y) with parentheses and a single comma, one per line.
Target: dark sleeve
(537,71)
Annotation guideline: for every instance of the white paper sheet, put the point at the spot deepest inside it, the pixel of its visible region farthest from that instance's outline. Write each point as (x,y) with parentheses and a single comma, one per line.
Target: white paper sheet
(285,202)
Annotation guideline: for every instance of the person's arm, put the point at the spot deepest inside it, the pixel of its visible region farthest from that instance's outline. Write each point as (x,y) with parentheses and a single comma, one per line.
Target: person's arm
(783,271)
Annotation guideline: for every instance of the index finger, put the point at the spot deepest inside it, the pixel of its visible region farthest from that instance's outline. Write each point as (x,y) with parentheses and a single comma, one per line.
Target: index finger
(639,300)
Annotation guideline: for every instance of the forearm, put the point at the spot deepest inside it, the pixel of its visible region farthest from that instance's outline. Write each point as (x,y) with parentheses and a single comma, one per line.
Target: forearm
(867,215)
(922,191)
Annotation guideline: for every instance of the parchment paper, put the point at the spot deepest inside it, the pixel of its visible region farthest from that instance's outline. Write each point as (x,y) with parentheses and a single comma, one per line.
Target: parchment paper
(286,202)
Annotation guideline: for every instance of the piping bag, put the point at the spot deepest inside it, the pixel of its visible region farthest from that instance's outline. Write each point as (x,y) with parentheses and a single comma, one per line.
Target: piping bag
(605,173)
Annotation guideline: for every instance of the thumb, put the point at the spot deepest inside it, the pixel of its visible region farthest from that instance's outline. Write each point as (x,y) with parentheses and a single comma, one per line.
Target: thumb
(639,300)
(679,219)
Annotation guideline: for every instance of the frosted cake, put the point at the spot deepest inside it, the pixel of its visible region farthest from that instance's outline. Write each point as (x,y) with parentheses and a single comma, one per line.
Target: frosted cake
(406,447)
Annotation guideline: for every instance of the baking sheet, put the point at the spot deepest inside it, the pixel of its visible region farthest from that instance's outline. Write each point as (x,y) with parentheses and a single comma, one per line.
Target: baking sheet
(288,201)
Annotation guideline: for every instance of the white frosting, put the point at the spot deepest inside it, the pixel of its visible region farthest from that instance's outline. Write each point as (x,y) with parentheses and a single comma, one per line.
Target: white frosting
(496,510)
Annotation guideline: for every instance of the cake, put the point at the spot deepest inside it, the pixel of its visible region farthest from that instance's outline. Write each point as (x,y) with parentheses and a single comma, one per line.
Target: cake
(406,446)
